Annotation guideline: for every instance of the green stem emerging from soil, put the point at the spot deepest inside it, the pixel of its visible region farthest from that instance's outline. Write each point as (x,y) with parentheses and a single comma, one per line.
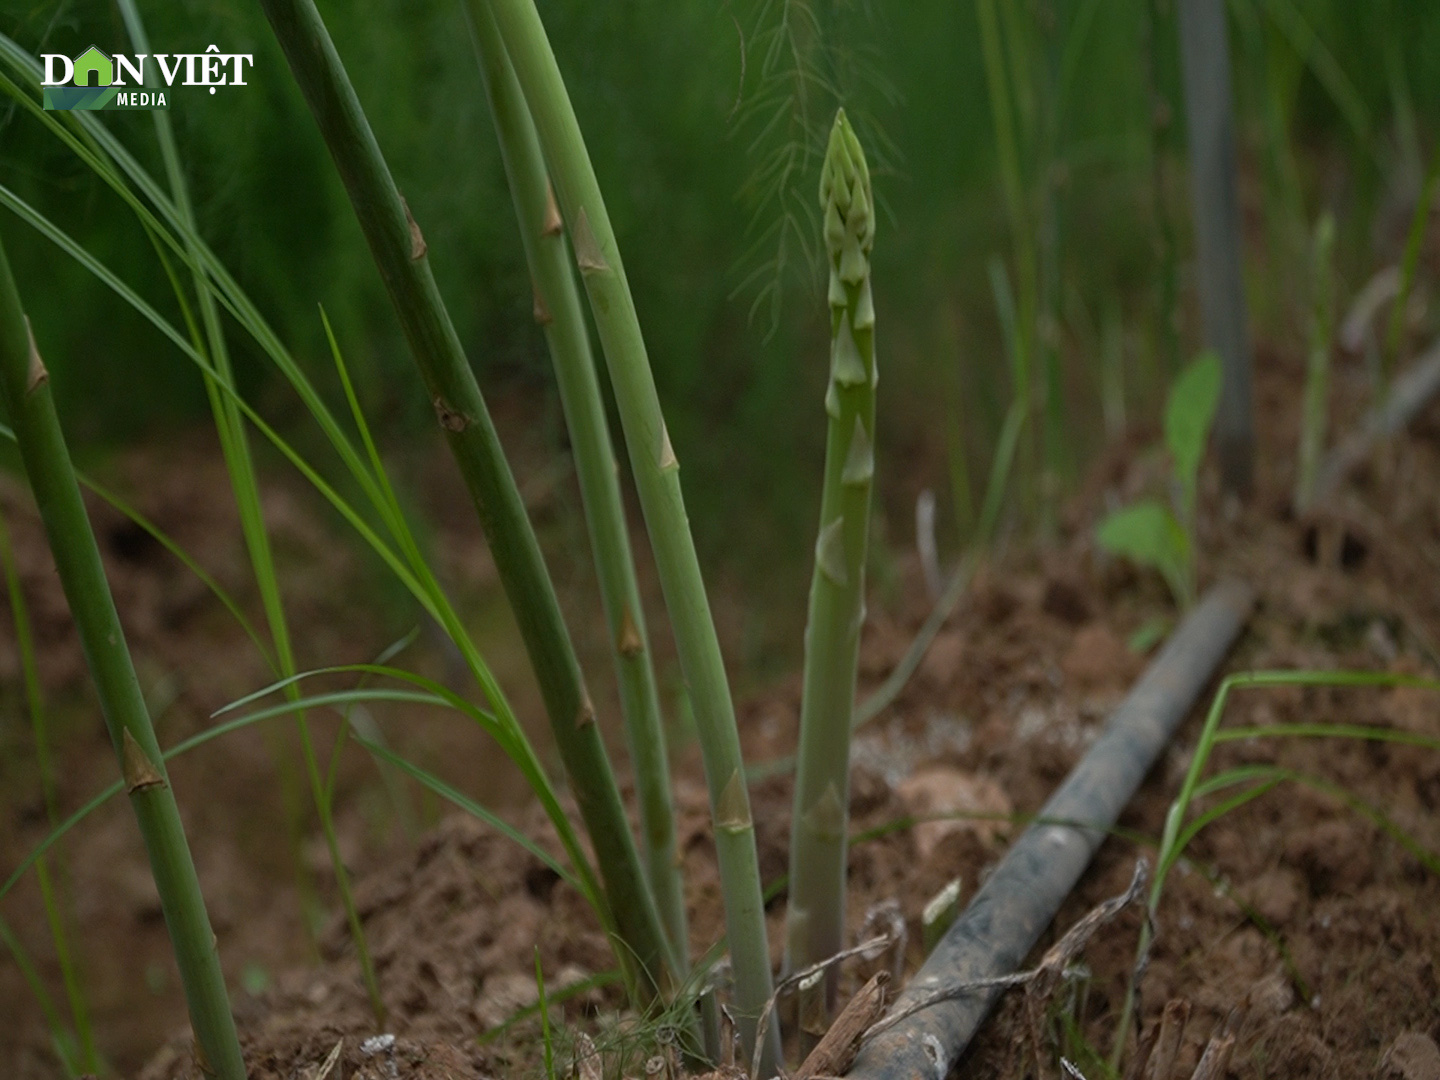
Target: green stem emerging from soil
(816,921)
(657,480)
(399,250)
(25,389)
(240,466)
(558,310)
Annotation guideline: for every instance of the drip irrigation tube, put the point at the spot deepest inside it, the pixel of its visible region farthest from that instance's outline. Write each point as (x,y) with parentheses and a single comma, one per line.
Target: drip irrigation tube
(1410,393)
(1018,901)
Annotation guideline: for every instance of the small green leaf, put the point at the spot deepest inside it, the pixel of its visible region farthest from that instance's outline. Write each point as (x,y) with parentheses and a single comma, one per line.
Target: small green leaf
(255,979)
(1150,634)
(1148,534)
(1189,413)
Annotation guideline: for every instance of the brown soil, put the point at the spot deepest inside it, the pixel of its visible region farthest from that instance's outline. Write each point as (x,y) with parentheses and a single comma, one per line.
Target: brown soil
(1312,913)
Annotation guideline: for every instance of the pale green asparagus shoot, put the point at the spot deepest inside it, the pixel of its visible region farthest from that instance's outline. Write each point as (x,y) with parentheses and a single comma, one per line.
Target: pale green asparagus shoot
(816,919)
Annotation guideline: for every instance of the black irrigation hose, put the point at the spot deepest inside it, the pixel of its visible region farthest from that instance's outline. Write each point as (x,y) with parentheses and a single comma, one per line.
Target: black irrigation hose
(1019,900)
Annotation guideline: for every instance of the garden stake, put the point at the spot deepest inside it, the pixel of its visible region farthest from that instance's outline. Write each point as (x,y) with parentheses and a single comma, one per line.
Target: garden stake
(1205,64)
(558,310)
(815,924)
(1018,900)
(25,389)
(657,480)
(399,250)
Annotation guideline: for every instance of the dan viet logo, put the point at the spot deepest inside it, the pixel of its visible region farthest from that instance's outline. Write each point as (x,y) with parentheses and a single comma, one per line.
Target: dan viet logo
(97,80)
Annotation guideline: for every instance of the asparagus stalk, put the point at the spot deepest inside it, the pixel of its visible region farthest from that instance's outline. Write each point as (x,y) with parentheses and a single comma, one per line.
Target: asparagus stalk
(656,470)
(25,390)
(399,250)
(816,919)
(558,310)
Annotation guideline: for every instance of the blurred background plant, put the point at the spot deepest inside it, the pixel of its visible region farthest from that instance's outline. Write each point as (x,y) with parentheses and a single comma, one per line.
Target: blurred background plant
(711,187)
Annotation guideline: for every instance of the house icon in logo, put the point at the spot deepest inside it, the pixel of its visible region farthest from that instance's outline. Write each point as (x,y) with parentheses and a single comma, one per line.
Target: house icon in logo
(94,68)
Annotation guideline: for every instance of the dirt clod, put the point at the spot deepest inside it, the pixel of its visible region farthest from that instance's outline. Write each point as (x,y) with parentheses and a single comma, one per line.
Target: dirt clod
(1412,1056)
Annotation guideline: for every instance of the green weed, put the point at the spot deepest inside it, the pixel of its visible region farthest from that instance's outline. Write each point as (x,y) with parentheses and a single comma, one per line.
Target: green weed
(1151,533)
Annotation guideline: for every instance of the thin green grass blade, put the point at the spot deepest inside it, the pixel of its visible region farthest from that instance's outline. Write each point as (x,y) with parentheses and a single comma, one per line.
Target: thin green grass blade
(510,740)
(1177,833)
(544,1018)
(53,894)
(584,986)
(998,484)
(423,588)
(1291,23)
(362,722)
(1215,813)
(475,809)
(165,540)
(62,1038)
(1331,731)
(105,795)
(1414,240)
(238,723)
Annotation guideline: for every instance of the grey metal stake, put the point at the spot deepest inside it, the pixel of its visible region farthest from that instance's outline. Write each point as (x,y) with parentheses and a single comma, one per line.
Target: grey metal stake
(1209,117)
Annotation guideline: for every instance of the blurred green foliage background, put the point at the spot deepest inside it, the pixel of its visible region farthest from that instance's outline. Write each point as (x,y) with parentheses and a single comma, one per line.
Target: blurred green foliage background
(705,120)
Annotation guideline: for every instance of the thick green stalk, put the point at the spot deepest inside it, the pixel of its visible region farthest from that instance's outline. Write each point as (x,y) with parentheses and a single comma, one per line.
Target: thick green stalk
(657,480)
(399,251)
(815,927)
(240,466)
(25,389)
(558,310)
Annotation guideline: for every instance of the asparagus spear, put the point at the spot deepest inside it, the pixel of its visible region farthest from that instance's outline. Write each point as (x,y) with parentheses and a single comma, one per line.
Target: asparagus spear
(816,919)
